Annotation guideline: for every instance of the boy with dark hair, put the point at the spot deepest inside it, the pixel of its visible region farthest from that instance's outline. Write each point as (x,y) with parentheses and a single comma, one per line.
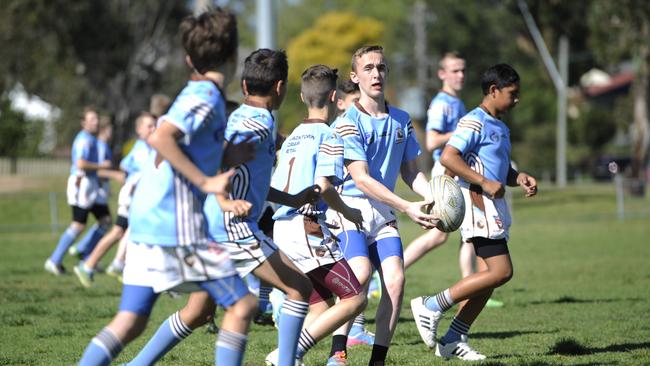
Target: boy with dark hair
(347,94)
(479,153)
(170,246)
(313,154)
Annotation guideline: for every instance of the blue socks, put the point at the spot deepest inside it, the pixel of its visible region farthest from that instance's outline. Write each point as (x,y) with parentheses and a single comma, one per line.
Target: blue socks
(263,303)
(440,302)
(292,316)
(101,350)
(170,333)
(67,238)
(457,329)
(230,348)
(90,240)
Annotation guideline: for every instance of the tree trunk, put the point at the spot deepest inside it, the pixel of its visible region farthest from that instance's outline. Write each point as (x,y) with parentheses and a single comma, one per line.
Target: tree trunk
(641,127)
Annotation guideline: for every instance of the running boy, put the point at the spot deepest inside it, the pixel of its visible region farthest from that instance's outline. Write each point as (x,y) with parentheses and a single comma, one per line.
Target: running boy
(82,190)
(313,154)
(479,153)
(379,144)
(170,247)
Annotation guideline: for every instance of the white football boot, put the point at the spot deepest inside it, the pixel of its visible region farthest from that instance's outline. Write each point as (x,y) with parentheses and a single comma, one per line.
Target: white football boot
(426,321)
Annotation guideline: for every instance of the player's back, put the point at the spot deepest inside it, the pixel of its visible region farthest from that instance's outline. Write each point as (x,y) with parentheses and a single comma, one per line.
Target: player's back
(167,209)
(133,163)
(252,179)
(384,143)
(443,115)
(312,150)
(84,147)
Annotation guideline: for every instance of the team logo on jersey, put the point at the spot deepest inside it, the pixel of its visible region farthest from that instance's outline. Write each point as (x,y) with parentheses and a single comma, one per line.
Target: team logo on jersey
(480,224)
(400,135)
(494,136)
(498,221)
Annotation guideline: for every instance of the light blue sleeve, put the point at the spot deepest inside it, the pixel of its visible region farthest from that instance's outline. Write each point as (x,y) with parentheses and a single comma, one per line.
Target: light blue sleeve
(466,136)
(191,109)
(352,140)
(128,162)
(329,162)
(81,148)
(412,149)
(436,117)
(256,129)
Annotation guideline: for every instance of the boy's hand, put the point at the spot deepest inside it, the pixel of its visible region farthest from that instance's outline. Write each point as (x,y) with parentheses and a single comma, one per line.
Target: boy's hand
(218,184)
(528,183)
(493,188)
(236,154)
(354,215)
(240,208)
(309,195)
(414,211)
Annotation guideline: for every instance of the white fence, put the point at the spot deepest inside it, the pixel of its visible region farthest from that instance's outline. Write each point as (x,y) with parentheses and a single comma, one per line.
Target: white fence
(35,166)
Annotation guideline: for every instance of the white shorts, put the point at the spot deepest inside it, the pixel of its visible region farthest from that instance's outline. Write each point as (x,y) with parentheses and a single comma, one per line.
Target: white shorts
(246,256)
(379,221)
(82,191)
(484,217)
(178,268)
(124,198)
(290,236)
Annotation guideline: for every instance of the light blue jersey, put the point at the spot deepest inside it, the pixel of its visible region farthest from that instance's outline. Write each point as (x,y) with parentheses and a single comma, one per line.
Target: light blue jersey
(312,150)
(103,151)
(384,143)
(133,163)
(167,209)
(84,147)
(484,142)
(252,179)
(443,115)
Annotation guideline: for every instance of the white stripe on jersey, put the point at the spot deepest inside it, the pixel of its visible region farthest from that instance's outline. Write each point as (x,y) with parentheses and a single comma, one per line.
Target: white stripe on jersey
(259,129)
(474,162)
(187,209)
(235,228)
(472,125)
(195,105)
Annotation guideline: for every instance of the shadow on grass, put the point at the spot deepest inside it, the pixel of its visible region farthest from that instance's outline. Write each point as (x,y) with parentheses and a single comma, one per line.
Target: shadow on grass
(571,347)
(507,334)
(573,300)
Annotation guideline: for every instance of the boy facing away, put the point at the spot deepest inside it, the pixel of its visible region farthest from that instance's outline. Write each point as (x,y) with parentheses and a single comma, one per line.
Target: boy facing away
(479,153)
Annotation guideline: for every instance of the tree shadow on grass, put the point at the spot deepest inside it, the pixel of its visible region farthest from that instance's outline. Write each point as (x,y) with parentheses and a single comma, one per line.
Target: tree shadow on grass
(507,334)
(571,347)
(573,300)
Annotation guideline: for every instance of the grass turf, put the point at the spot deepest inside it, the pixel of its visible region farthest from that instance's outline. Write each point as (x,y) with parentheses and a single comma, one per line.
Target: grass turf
(580,294)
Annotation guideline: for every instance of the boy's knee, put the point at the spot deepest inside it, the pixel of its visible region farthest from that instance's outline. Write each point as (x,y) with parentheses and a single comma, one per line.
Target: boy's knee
(245,308)
(503,276)
(394,283)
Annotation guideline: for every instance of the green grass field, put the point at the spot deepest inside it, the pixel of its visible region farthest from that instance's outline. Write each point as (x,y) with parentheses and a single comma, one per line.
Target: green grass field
(580,294)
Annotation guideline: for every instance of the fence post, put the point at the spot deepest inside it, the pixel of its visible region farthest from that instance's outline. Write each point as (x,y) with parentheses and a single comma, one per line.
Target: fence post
(54,217)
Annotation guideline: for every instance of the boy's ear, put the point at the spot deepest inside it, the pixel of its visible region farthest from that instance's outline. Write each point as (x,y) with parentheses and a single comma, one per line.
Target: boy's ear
(302,97)
(492,90)
(354,77)
(332,96)
(188,61)
(278,86)
(244,88)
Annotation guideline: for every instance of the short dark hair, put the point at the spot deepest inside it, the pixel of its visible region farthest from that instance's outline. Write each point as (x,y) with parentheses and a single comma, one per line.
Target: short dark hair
(317,82)
(210,38)
(362,51)
(262,69)
(500,75)
(346,87)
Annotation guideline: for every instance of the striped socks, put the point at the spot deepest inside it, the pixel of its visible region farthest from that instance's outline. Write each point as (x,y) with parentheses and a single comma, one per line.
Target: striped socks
(171,332)
(440,302)
(230,348)
(102,349)
(457,328)
(305,343)
(291,318)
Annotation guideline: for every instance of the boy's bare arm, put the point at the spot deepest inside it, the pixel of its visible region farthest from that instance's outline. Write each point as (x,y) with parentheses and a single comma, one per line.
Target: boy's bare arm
(334,201)
(307,195)
(416,180)
(452,159)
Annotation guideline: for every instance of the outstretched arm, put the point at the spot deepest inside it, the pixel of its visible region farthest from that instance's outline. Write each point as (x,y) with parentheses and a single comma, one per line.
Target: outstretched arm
(453,160)
(334,201)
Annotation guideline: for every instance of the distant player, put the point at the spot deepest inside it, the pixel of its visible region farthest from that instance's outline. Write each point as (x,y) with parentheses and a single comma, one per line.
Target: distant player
(379,145)
(170,246)
(479,153)
(132,165)
(82,190)
(313,154)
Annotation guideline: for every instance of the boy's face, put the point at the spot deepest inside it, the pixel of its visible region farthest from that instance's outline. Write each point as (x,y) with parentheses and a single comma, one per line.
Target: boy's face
(342,104)
(453,74)
(145,128)
(370,73)
(90,123)
(506,98)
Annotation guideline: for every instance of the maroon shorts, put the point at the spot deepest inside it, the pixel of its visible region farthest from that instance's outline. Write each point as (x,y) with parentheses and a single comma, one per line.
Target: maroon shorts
(333,279)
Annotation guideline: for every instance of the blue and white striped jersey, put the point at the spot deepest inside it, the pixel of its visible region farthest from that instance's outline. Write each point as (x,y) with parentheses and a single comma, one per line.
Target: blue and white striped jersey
(443,115)
(84,147)
(484,142)
(133,163)
(167,209)
(104,151)
(252,179)
(312,150)
(384,143)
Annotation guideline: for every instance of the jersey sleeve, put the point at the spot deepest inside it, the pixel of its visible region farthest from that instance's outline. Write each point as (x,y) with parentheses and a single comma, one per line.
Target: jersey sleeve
(128,162)
(467,135)
(412,149)
(352,140)
(81,149)
(191,109)
(256,129)
(329,161)
(436,116)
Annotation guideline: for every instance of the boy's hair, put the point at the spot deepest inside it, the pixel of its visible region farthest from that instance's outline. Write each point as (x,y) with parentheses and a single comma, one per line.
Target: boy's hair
(158,105)
(88,109)
(262,69)
(209,39)
(143,117)
(501,75)
(362,51)
(447,56)
(318,82)
(346,87)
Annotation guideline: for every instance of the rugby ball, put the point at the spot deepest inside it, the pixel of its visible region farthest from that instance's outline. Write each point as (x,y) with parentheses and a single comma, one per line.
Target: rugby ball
(448,203)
